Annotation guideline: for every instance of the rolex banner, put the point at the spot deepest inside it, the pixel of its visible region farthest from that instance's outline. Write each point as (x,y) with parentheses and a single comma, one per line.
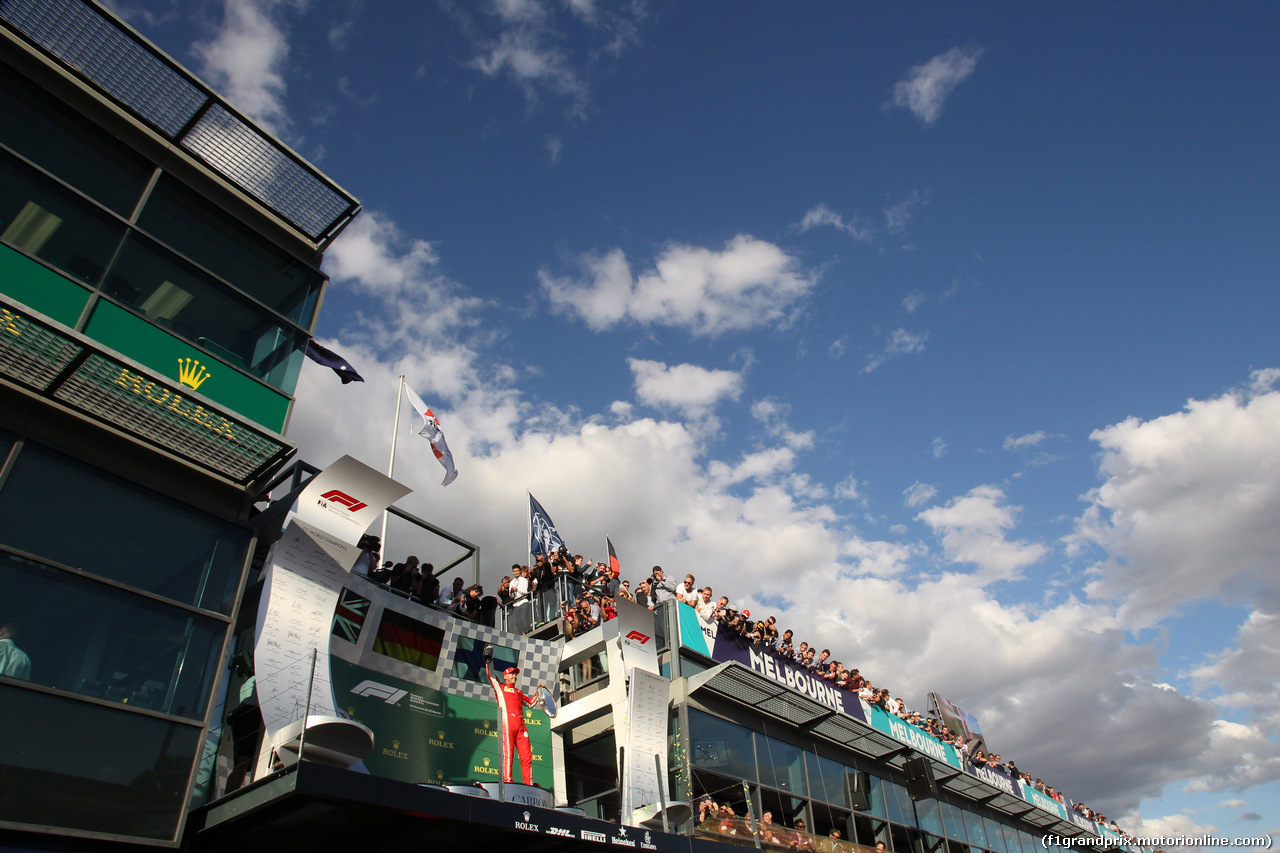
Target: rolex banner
(427,736)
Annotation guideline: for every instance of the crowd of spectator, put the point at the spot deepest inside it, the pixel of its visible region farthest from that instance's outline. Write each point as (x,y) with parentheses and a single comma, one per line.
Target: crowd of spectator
(598,588)
(586,595)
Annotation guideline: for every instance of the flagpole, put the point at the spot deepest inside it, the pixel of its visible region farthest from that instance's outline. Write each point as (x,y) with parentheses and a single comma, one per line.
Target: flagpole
(528,523)
(391,463)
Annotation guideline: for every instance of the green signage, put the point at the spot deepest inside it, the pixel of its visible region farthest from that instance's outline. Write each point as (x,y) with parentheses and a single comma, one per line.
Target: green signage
(40,288)
(427,736)
(172,357)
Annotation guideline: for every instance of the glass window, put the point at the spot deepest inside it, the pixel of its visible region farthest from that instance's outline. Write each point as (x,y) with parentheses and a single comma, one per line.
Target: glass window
(176,296)
(953,821)
(1030,843)
(87,767)
(123,648)
(226,247)
(721,746)
(898,804)
(781,765)
(49,221)
(122,531)
(929,815)
(826,779)
(995,838)
(876,796)
(977,832)
(60,141)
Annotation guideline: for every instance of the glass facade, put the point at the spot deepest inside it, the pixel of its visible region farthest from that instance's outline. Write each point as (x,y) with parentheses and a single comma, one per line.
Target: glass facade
(85,204)
(117,600)
(798,784)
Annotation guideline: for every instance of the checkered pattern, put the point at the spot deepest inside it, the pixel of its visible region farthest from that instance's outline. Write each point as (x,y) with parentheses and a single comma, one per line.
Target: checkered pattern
(539,659)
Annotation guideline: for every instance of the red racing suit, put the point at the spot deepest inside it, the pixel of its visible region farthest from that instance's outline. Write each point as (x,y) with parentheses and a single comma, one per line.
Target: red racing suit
(511,730)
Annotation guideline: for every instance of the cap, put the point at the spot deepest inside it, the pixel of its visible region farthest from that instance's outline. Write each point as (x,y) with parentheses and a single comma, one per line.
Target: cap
(511,670)
(746,614)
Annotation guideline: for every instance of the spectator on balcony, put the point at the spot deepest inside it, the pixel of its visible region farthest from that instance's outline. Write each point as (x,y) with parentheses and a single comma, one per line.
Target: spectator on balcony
(660,589)
(687,593)
(643,594)
(624,591)
(449,596)
(708,610)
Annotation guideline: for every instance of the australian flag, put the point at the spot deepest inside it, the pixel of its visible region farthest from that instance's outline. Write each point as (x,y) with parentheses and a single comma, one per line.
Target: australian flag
(334,362)
(543,538)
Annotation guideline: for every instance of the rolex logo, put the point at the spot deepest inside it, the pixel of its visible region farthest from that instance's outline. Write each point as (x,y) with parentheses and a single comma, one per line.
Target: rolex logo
(191,373)
(486,762)
(395,744)
(440,735)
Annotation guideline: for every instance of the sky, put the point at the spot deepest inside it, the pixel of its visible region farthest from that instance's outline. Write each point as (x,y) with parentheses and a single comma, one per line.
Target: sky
(945,332)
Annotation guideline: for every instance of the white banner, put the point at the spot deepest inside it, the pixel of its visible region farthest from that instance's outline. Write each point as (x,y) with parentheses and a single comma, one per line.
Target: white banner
(308,568)
(645,736)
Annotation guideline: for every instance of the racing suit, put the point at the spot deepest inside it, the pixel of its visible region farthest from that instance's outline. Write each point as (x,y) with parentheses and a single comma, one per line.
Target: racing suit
(511,731)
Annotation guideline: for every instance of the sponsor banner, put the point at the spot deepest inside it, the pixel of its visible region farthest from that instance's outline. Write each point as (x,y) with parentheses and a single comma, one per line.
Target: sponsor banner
(342,501)
(636,630)
(695,634)
(999,779)
(1082,822)
(921,741)
(1044,801)
(309,566)
(423,735)
(645,734)
(730,647)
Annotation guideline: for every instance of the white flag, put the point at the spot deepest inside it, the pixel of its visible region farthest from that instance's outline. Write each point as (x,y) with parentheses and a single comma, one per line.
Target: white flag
(431,432)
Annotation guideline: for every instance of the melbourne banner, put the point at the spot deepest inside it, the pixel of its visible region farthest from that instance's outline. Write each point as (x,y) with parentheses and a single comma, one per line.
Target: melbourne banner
(729,646)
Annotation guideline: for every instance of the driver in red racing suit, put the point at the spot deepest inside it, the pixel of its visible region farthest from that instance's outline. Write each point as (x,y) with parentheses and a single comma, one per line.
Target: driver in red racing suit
(511,730)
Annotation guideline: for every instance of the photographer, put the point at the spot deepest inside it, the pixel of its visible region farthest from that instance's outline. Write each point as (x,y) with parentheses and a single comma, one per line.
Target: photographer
(660,589)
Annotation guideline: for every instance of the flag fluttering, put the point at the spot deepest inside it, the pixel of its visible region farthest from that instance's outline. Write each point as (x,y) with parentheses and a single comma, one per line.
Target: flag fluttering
(431,432)
(614,566)
(333,361)
(543,538)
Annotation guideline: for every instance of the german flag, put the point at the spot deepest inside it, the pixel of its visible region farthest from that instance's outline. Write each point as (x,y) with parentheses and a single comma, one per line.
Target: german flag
(614,566)
(404,638)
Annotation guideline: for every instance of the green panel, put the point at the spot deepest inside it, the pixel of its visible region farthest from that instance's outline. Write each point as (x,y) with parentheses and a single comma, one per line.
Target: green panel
(154,347)
(40,288)
(425,735)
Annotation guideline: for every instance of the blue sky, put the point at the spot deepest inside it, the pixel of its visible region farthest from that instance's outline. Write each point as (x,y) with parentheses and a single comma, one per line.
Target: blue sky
(946,329)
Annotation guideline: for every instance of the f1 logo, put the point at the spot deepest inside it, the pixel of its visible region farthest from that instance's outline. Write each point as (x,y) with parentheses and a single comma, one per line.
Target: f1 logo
(344,499)
(638,637)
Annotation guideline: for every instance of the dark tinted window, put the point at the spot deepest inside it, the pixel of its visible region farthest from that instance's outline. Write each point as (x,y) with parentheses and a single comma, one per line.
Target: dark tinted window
(86,767)
(226,247)
(121,531)
(58,140)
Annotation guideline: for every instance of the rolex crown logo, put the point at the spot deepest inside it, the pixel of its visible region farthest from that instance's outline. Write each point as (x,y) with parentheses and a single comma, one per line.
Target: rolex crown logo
(486,761)
(191,373)
(395,744)
(440,735)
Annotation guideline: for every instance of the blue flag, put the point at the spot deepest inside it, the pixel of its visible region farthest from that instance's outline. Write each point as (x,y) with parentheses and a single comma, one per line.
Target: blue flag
(543,538)
(333,361)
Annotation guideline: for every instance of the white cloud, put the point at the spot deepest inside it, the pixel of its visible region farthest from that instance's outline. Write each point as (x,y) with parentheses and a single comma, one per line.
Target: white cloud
(912,302)
(553,146)
(687,388)
(973,530)
(898,216)
(1031,439)
(1187,508)
(750,283)
(900,342)
(939,447)
(838,348)
(524,41)
(245,60)
(821,215)
(1232,804)
(926,87)
(919,493)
